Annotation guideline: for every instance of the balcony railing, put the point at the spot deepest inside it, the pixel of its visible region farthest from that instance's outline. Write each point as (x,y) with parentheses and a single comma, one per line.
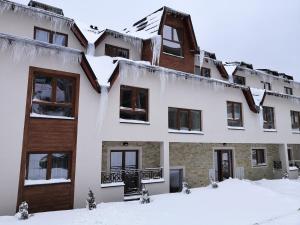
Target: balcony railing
(115,176)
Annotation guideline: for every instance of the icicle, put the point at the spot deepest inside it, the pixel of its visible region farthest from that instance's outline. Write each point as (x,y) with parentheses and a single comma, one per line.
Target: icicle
(201,58)
(102,106)
(261,117)
(156,47)
(90,49)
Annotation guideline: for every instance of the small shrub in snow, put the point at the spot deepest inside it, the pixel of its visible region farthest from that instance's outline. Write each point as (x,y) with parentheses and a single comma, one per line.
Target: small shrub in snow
(186,188)
(90,201)
(145,196)
(23,211)
(214,184)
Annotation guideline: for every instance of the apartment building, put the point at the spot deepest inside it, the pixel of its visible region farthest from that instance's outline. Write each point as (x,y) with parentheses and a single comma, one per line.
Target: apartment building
(143,106)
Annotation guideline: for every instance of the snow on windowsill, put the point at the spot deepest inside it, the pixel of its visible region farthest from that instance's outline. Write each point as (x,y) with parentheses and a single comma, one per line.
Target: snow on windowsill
(178,56)
(259,165)
(134,121)
(270,130)
(235,128)
(151,181)
(41,182)
(115,184)
(184,131)
(293,168)
(35,115)
(296,131)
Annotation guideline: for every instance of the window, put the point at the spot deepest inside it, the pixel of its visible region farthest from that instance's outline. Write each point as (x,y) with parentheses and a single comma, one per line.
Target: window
(114,51)
(288,90)
(268,115)
(53,95)
(267,86)
(197,70)
(134,103)
(259,157)
(239,80)
(295,116)
(49,36)
(234,114)
(205,72)
(184,119)
(46,166)
(172,40)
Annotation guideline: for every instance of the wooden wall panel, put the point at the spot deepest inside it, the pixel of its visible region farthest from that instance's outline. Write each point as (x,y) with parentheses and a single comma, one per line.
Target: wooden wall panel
(49,134)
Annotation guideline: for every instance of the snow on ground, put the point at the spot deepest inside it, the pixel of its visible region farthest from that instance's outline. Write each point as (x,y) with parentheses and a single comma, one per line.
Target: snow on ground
(235,202)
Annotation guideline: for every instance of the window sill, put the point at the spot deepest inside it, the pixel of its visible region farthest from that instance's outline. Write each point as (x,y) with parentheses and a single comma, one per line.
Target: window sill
(184,132)
(235,128)
(270,130)
(42,182)
(35,115)
(134,121)
(169,54)
(152,181)
(259,165)
(116,184)
(296,131)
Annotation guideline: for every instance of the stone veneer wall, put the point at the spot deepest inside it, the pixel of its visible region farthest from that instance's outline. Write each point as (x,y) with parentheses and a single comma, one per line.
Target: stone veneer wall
(150,152)
(197,159)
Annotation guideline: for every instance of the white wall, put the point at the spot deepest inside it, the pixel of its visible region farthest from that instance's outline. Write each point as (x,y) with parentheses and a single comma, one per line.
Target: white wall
(134,52)
(23,25)
(193,94)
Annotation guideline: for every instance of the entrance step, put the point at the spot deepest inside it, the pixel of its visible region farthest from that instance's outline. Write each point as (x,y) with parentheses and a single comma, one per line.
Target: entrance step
(132,197)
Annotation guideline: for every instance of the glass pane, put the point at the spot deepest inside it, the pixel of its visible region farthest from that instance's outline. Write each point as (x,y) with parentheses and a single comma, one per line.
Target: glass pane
(196,120)
(60,166)
(254,162)
(51,110)
(122,53)
(205,72)
(130,160)
(184,120)
(116,160)
(167,32)
(173,48)
(229,111)
(197,70)
(141,99)
(37,166)
(64,90)
(126,97)
(260,156)
(237,111)
(42,35)
(59,39)
(172,118)
(42,88)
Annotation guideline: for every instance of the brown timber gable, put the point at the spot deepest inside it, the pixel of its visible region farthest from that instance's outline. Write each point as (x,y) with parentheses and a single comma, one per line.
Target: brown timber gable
(189,44)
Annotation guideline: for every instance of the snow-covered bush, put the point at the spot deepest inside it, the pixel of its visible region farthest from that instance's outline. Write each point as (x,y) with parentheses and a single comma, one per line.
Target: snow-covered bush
(90,201)
(145,196)
(186,188)
(213,183)
(23,211)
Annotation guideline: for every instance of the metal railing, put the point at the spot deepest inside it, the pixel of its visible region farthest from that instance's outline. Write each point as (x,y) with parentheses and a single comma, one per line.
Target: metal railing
(115,176)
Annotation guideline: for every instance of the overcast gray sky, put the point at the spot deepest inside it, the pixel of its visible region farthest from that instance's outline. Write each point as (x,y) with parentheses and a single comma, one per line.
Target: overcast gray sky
(265,33)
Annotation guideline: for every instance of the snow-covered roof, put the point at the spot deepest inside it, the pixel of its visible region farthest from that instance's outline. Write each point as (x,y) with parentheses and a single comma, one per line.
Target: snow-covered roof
(146,27)
(258,95)
(91,32)
(230,69)
(103,67)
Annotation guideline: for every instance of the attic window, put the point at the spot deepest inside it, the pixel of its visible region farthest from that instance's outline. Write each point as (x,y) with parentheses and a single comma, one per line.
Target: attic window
(239,80)
(51,37)
(115,51)
(172,40)
(288,90)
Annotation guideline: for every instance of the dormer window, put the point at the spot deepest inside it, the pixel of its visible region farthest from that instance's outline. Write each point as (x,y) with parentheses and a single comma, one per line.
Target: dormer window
(288,90)
(239,80)
(205,72)
(51,37)
(115,51)
(172,40)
